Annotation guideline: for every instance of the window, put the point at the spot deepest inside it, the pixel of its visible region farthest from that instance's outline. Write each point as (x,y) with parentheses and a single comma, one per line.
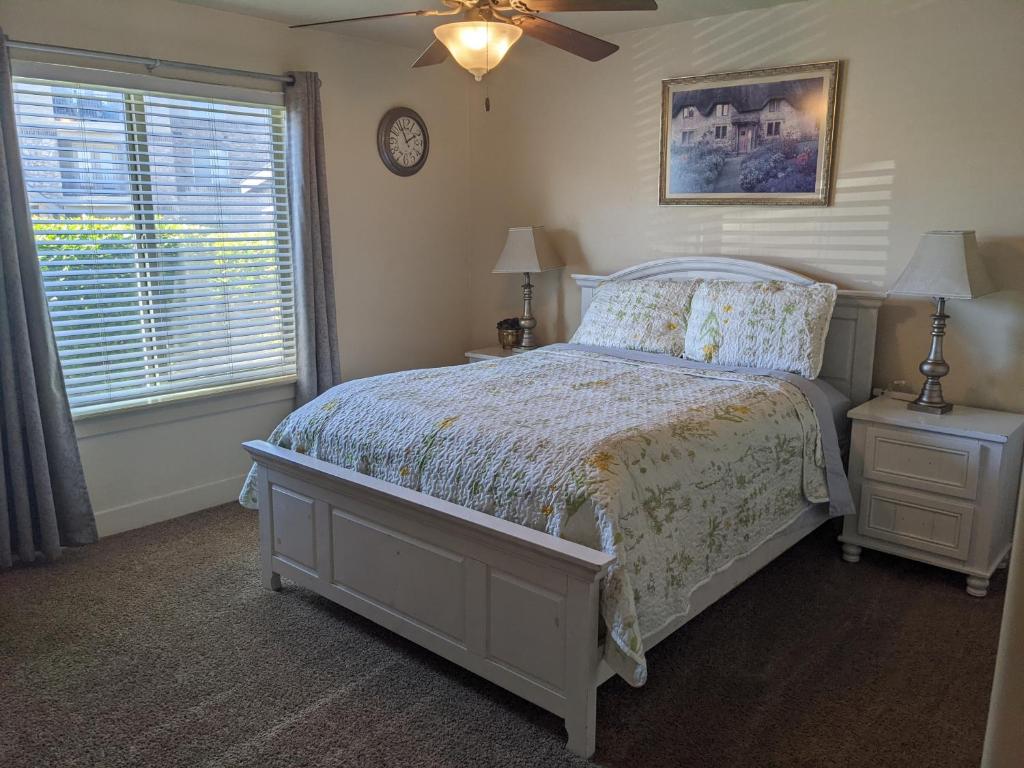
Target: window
(722,110)
(721,131)
(686,137)
(774,105)
(162,228)
(199,168)
(773,128)
(689,111)
(79,105)
(90,166)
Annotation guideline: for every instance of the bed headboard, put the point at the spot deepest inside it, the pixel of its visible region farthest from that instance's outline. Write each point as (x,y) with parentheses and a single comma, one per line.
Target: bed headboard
(850,347)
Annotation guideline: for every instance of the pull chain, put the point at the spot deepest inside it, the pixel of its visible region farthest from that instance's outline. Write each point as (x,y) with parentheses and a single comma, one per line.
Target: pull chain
(487,84)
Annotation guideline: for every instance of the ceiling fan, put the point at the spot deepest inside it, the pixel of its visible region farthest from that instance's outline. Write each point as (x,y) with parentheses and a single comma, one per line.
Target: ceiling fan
(490,27)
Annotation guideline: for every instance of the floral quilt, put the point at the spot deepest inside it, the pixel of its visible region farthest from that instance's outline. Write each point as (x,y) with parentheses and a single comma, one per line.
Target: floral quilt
(674,471)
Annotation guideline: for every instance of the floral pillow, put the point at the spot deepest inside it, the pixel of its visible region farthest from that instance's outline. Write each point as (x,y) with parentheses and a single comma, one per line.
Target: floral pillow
(773,325)
(648,315)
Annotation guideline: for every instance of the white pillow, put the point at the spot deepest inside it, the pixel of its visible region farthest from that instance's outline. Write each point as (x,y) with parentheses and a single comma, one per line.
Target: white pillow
(648,315)
(773,325)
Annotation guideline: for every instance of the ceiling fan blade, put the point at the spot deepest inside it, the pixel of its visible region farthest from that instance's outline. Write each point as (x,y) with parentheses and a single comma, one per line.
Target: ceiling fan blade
(559,6)
(435,54)
(568,39)
(361,18)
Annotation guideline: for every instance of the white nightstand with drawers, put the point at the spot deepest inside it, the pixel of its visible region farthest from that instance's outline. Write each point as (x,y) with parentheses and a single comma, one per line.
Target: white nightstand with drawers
(492,353)
(939,489)
(489,353)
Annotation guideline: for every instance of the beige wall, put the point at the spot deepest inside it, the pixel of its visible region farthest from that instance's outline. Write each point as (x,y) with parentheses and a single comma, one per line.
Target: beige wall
(399,249)
(928,139)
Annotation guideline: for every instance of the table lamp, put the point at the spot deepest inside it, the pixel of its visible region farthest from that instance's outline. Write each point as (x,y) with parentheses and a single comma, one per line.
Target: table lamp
(945,266)
(527,250)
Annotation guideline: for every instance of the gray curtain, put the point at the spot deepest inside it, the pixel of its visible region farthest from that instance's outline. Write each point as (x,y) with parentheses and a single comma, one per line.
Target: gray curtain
(44,504)
(319,366)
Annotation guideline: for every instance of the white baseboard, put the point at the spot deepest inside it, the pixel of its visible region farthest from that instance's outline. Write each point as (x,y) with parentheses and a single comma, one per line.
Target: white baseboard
(160,508)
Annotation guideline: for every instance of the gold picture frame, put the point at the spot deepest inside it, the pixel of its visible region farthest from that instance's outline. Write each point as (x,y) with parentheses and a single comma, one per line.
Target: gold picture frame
(758,137)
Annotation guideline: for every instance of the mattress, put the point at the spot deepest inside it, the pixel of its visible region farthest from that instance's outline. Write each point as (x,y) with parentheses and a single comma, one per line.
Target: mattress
(676,468)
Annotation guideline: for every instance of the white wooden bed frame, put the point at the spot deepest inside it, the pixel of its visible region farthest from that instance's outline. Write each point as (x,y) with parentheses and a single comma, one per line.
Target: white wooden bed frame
(516,606)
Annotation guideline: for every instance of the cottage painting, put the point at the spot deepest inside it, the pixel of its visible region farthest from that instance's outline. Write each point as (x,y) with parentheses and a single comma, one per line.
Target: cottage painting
(761,137)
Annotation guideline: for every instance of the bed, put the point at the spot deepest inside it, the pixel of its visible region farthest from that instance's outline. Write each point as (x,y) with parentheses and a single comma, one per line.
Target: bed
(514,600)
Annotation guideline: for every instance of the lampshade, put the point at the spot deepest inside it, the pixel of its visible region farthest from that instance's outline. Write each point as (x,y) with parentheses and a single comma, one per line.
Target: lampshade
(527,249)
(478,46)
(946,264)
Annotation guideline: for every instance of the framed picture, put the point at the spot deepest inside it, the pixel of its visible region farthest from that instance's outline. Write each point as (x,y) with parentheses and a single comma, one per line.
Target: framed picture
(763,137)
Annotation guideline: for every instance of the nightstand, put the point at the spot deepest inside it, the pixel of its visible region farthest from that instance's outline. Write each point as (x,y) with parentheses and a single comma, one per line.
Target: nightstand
(489,353)
(939,489)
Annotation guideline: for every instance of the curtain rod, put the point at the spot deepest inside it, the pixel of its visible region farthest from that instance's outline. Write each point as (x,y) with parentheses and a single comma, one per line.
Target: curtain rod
(148,63)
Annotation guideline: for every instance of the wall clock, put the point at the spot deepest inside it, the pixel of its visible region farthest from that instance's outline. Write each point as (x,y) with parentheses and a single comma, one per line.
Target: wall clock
(402,141)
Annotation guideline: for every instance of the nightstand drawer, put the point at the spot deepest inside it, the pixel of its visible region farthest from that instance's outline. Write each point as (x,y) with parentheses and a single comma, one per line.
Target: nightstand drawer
(930,462)
(918,520)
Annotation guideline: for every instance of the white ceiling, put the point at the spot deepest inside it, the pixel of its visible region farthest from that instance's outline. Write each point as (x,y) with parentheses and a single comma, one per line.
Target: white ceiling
(415,32)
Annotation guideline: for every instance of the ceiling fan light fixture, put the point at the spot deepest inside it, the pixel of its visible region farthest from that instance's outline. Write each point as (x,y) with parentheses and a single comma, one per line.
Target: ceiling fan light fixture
(478,46)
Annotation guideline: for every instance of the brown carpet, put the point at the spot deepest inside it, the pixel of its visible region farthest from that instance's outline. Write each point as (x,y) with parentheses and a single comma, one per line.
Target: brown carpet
(158,647)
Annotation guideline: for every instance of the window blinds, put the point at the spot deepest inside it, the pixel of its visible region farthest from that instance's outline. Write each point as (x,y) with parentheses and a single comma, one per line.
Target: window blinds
(162,228)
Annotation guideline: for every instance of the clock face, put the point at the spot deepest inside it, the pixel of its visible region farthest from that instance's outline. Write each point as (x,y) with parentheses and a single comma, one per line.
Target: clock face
(402,141)
(405,142)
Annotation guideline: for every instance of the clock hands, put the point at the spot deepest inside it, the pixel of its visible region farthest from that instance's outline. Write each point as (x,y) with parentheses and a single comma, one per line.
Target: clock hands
(406,149)
(417,136)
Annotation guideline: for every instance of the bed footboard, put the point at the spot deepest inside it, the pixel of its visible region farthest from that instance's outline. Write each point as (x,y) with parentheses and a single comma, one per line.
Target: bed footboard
(513,605)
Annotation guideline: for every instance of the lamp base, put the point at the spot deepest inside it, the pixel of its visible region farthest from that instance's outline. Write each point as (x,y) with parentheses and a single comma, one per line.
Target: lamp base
(527,322)
(938,410)
(934,367)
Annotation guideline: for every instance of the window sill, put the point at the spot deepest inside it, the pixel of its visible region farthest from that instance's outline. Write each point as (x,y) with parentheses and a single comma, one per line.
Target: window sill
(137,414)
